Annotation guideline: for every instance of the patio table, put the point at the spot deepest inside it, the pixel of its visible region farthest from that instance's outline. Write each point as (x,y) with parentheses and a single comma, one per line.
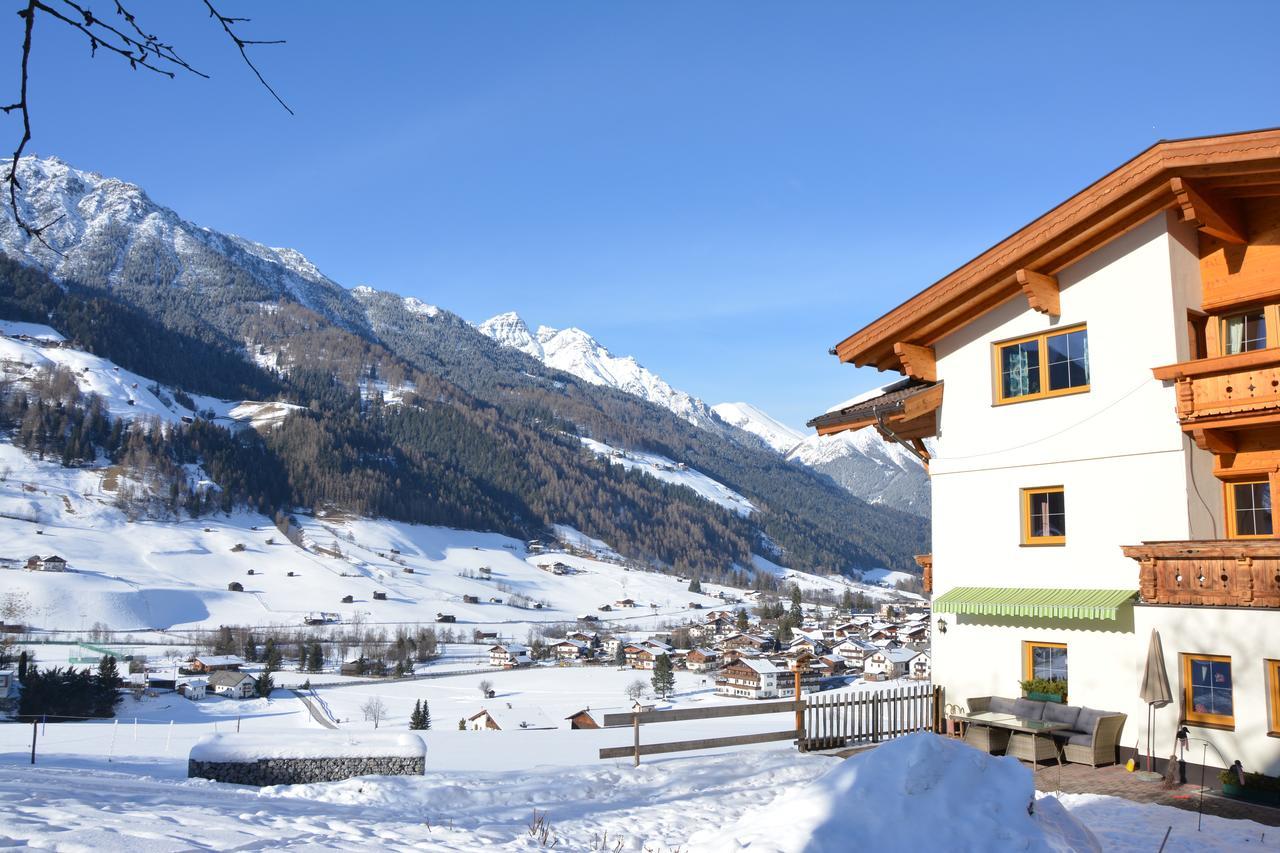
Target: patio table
(1030,730)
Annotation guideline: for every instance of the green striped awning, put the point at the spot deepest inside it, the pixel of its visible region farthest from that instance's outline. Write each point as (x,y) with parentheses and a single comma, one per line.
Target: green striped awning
(1047,603)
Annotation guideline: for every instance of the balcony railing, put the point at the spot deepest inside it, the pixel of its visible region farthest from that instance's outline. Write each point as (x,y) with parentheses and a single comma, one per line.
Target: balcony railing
(1216,572)
(1227,390)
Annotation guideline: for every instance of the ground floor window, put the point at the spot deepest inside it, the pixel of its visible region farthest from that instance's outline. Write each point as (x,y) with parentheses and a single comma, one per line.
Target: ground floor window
(1206,688)
(1273,696)
(1044,660)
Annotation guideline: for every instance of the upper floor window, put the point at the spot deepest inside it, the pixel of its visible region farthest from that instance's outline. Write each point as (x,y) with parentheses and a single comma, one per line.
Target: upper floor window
(1244,332)
(1043,365)
(1249,509)
(1044,516)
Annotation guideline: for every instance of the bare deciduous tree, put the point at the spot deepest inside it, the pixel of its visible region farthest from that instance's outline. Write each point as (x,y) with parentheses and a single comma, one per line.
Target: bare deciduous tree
(485,687)
(636,689)
(374,709)
(126,39)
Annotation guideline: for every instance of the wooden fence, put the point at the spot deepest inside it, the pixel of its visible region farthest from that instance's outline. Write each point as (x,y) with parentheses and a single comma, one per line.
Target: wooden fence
(822,721)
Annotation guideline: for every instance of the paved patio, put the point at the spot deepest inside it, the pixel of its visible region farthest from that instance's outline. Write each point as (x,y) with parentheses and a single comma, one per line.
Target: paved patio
(1115,781)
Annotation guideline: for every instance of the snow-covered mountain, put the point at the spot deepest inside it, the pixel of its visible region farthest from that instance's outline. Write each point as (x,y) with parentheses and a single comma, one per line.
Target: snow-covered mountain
(576,352)
(108,232)
(862,463)
(770,430)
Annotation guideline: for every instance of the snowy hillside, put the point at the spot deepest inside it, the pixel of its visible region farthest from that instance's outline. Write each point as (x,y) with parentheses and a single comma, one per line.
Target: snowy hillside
(29,350)
(772,431)
(675,473)
(577,353)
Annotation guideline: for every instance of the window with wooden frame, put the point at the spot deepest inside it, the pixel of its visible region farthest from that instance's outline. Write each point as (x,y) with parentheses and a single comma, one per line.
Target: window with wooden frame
(1206,690)
(1244,332)
(1249,509)
(1273,697)
(1044,660)
(1044,516)
(1049,364)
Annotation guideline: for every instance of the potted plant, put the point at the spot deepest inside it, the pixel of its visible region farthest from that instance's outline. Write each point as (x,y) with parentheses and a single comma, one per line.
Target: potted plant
(1045,689)
(1257,787)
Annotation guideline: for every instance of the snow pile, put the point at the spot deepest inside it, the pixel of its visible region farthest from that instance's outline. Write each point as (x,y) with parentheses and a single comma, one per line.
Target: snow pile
(232,747)
(938,791)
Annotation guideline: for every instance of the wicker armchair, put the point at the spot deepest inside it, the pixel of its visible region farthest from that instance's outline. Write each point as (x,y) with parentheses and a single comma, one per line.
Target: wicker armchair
(985,738)
(1102,743)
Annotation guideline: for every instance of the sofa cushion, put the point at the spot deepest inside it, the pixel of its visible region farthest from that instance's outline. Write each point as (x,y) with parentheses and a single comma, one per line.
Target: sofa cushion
(1088,719)
(1028,709)
(1055,713)
(1079,738)
(1002,705)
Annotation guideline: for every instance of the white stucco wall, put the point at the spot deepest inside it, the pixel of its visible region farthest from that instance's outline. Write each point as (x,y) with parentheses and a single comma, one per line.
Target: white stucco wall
(1128,474)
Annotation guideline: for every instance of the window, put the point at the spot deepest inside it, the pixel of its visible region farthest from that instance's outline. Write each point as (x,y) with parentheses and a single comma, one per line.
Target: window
(1249,509)
(1206,689)
(1044,660)
(1044,516)
(1244,332)
(1273,696)
(1044,365)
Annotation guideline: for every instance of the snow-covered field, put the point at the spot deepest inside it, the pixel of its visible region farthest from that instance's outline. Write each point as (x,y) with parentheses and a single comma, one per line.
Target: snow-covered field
(759,800)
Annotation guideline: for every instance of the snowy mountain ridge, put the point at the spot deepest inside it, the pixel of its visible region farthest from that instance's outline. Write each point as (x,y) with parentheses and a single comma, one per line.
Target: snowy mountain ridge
(578,353)
(861,462)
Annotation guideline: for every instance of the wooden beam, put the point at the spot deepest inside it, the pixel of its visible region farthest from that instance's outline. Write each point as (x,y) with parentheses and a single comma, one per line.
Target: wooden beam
(1041,291)
(1213,214)
(1214,440)
(918,362)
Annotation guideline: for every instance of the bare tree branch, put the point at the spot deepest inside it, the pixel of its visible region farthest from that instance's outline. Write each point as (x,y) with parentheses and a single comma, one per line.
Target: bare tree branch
(227,24)
(132,44)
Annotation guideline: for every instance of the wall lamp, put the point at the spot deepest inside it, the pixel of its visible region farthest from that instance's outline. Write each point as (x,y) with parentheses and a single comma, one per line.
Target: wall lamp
(942,626)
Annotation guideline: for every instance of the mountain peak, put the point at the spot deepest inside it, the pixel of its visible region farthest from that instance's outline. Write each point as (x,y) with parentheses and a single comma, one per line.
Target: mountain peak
(770,430)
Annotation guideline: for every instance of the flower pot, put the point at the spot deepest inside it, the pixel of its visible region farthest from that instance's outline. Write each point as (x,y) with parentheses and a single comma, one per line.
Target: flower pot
(1045,697)
(1232,791)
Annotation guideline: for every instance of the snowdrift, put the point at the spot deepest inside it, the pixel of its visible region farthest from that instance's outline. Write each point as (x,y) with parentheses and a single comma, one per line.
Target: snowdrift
(919,792)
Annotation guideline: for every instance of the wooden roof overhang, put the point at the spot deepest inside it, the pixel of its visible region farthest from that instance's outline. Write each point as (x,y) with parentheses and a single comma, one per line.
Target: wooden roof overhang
(910,412)
(1202,178)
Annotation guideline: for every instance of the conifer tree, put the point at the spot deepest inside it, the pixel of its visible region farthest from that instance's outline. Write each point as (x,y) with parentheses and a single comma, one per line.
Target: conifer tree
(415,716)
(426,716)
(695,586)
(742,622)
(664,677)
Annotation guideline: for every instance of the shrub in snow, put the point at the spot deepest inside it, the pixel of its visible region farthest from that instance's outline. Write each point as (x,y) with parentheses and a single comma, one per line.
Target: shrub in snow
(235,586)
(921,789)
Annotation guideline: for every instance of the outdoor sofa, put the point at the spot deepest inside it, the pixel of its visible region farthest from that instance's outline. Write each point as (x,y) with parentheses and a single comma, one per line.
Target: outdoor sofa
(1092,736)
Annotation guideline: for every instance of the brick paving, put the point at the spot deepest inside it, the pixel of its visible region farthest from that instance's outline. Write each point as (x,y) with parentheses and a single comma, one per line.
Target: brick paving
(1115,781)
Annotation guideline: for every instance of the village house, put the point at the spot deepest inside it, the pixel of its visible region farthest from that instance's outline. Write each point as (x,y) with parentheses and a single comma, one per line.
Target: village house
(504,718)
(1103,491)
(509,656)
(920,668)
(888,663)
(215,663)
(751,642)
(702,660)
(193,688)
(583,719)
(567,649)
(52,563)
(10,693)
(591,638)
(753,679)
(231,684)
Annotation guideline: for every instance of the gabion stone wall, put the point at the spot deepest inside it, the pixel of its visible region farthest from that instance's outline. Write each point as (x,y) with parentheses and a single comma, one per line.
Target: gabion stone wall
(298,771)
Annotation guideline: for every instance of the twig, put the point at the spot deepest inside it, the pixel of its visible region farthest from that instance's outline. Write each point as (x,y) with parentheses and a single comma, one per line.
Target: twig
(240,43)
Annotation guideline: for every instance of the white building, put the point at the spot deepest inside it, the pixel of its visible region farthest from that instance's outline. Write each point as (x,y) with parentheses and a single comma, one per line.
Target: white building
(889,663)
(1103,393)
(754,678)
(509,656)
(504,718)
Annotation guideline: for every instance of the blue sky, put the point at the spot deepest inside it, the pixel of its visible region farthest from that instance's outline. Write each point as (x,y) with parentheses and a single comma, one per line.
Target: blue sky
(723,189)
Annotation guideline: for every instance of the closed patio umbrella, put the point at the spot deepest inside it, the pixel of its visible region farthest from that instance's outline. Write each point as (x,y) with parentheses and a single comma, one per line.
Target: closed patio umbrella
(1155,687)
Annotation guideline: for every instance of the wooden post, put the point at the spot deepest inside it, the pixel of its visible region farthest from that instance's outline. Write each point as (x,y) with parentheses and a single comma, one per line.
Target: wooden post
(800,744)
(636,724)
(33,741)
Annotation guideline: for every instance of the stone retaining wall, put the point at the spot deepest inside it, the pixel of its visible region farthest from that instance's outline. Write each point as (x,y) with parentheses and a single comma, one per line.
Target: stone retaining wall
(296,771)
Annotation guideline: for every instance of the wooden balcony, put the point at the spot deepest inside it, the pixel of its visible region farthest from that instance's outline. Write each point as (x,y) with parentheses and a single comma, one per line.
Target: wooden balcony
(1210,572)
(1230,391)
